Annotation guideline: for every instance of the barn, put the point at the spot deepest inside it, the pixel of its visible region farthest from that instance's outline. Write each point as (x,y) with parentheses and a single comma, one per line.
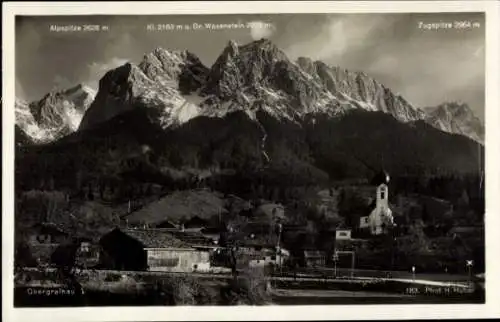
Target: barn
(152,250)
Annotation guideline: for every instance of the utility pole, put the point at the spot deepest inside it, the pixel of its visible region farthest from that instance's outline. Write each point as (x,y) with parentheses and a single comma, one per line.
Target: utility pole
(353,260)
(335,259)
(469,264)
(278,250)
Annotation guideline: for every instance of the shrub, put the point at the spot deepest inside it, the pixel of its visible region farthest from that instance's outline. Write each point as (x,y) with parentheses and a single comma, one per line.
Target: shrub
(183,290)
(250,288)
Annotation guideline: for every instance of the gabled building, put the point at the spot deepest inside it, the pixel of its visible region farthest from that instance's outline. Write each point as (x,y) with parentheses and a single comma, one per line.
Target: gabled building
(153,250)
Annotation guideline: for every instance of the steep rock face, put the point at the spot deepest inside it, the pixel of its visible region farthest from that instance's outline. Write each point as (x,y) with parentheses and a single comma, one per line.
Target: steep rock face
(360,90)
(456,118)
(26,129)
(57,114)
(182,68)
(259,76)
(163,82)
(175,87)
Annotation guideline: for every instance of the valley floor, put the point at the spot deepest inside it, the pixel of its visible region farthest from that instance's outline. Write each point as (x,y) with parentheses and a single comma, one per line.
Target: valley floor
(134,290)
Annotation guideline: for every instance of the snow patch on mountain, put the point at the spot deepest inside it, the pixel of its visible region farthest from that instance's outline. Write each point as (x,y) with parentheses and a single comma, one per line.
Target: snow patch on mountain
(176,87)
(57,114)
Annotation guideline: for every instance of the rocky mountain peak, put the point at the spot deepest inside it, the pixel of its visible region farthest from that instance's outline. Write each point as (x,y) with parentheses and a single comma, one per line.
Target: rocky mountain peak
(169,64)
(56,114)
(307,64)
(456,109)
(456,117)
(232,48)
(261,72)
(51,110)
(158,83)
(359,90)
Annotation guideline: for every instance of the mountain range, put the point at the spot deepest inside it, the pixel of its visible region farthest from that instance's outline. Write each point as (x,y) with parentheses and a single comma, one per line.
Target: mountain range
(253,111)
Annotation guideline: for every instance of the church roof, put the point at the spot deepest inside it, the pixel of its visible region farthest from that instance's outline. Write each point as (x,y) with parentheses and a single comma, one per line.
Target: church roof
(380,177)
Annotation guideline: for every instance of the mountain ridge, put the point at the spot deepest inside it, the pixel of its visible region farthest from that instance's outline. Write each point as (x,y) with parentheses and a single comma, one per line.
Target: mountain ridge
(251,77)
(175,87)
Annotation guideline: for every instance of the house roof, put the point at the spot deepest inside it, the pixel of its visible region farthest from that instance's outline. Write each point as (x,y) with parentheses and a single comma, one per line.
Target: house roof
(314,253)
(155,238)
(191,238)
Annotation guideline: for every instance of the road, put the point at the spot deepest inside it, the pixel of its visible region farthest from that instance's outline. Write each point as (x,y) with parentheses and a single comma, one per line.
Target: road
(89,275)
(327,271)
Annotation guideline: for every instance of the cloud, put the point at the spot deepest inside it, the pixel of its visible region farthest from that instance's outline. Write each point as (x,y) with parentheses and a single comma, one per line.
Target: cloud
(19,90)
(96,70)
(339,36)
(427,68)
(431,71)
(61,83)
(261,29)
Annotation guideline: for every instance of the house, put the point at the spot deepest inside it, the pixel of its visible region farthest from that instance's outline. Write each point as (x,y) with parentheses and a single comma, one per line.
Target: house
(269,257)
(260,256)
(343,234)
(182,259)
(87,254)
(380,218)
(314,258)
(47,233)
(151,249)
(43,239)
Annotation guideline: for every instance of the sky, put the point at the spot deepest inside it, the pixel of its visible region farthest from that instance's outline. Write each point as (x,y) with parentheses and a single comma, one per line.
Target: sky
(425,66)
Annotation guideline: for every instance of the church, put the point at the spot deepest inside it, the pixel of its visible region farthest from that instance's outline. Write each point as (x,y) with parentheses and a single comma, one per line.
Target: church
(380,218)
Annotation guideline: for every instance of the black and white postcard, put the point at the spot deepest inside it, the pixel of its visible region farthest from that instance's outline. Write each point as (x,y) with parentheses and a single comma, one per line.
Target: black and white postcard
(203,160)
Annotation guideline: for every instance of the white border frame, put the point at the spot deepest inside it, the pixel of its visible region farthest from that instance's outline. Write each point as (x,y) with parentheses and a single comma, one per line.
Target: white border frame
(350,312)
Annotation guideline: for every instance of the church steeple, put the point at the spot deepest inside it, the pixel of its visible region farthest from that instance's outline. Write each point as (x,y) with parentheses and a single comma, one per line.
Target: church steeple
(381,177)
(381,216)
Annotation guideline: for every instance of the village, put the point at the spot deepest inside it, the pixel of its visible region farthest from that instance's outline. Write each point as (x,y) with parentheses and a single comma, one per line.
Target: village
(150,242)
